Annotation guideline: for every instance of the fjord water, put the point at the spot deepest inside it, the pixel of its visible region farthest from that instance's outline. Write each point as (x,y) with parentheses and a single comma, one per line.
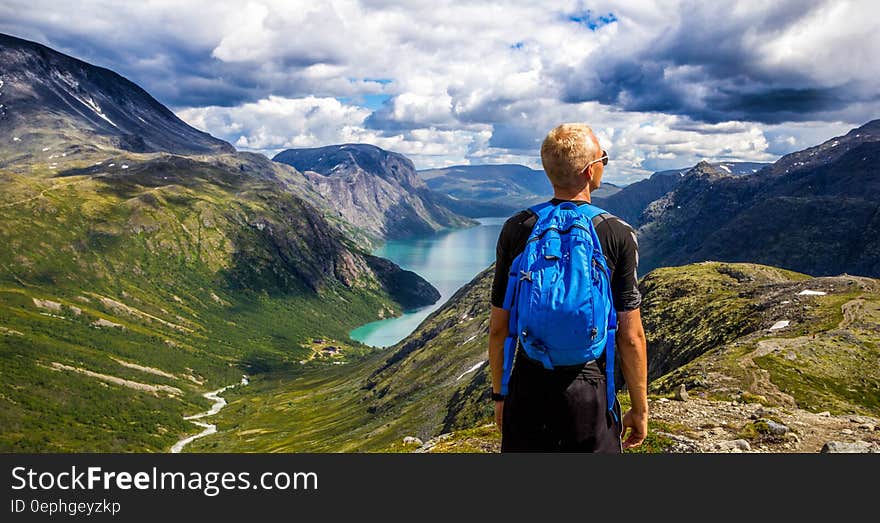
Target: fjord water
(448,260)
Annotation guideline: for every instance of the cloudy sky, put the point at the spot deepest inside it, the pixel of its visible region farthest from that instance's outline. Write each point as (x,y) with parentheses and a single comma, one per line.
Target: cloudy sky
(663,83)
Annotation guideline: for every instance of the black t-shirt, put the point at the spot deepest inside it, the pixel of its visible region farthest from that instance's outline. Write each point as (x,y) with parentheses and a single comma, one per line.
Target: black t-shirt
(619,245)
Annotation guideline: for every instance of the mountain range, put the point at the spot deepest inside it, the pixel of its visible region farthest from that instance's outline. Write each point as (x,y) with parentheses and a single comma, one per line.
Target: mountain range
(815,211)
(774,360)
(494,189)
(631,201)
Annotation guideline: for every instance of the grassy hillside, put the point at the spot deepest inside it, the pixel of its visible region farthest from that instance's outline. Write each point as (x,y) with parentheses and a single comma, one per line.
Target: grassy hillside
(128,290)
(422,386)
(827,358)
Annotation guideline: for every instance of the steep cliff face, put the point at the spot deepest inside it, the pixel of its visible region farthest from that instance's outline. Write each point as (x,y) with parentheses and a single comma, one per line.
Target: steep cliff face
(813,212)
(374,189)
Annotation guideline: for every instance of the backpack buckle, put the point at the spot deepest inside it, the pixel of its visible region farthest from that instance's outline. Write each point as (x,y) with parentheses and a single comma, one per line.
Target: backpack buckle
(525,275)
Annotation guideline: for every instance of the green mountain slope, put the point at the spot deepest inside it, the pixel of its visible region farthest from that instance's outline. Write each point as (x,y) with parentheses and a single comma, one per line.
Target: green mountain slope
(201,267)
(708,327)
(133,282)
(418,387)
(825,358)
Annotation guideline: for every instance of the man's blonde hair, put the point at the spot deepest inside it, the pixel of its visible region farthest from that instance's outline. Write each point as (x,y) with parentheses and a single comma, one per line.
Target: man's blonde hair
(566,150)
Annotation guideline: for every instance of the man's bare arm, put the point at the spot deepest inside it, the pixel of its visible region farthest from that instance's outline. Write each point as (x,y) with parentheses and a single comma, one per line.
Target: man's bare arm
(632,347)
(498,320)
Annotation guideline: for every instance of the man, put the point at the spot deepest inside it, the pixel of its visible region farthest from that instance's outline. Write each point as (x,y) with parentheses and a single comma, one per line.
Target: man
(565,408)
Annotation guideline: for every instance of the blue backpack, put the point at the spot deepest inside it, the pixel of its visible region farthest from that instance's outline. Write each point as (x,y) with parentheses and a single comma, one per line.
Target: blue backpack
(559,294)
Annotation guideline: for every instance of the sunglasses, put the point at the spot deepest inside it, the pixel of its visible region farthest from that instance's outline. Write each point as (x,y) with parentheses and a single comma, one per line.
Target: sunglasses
(603,159)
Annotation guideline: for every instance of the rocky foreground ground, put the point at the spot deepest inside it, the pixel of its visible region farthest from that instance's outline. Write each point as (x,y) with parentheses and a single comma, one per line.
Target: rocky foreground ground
(701,425)
(687,424)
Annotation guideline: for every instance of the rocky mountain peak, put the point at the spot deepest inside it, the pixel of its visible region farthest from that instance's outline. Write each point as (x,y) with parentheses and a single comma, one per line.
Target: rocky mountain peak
(772,217)
(704,169)
(346,159)
(51,99)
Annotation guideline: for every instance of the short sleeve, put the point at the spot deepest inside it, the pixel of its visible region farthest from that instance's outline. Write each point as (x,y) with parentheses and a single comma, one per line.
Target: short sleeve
(503,259)
(625,276)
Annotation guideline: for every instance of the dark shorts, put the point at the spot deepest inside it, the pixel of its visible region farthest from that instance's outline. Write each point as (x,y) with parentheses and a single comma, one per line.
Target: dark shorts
(559,410)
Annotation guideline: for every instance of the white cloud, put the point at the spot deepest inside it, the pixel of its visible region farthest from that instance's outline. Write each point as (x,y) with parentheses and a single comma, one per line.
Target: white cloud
(479,82)
(275,123)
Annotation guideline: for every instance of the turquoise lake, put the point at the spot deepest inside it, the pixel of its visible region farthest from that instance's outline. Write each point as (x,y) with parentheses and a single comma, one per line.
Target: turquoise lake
(448,260)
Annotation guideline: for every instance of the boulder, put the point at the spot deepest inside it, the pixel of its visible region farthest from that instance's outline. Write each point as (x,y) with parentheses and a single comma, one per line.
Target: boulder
(777,429)
(681,393)
(737,445)
(412,440)
(850,447)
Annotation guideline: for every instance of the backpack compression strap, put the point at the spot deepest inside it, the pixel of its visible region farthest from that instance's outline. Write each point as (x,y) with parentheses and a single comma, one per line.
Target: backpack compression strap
(590,212)
(510,305)
(610,389)
(541,210)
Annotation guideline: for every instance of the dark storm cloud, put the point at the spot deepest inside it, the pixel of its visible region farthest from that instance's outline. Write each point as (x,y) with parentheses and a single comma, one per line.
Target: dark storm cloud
(710,68)
(174,70)
(516,137)
(383,119)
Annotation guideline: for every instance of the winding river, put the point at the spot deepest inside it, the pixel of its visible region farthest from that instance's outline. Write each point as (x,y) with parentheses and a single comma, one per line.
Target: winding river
(209,428)
(448,260)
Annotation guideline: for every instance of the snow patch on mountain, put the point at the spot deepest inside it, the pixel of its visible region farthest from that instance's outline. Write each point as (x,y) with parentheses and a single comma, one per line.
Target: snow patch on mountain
(91,104)
(472,369)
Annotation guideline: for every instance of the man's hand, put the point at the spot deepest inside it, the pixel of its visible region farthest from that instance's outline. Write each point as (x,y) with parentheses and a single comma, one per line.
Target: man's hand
(636,423)
(498,320)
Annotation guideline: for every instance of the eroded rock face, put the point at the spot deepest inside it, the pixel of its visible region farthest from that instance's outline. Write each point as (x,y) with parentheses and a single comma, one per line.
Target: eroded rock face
(374,189)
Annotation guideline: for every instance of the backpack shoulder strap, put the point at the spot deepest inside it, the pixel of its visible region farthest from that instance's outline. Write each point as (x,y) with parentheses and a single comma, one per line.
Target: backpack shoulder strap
(590,211)
(541,209)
